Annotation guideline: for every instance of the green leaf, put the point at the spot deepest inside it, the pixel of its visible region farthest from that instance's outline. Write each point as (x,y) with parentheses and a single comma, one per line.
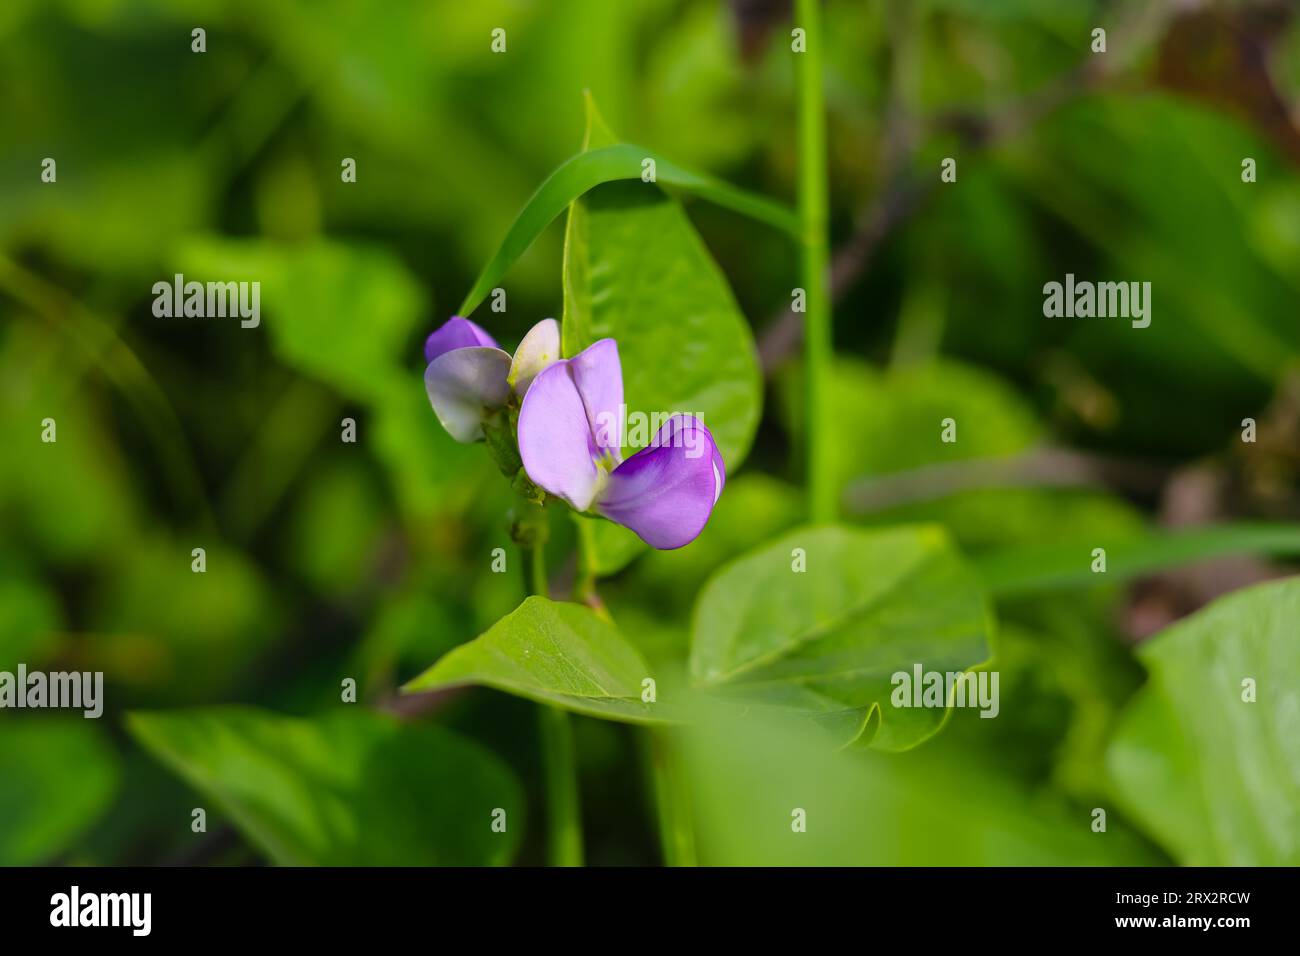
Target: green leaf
(554,653)
(1214,778)
(938,805)
(1029,570)
(635,270)
(827,640)
(581,173)
(57,776)
(49,504)
(351,787)
(30,619)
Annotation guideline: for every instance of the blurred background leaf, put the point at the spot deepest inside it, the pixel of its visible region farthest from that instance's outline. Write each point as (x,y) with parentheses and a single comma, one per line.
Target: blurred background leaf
(57,776)
(1208,764)
(345,789)
(934,806)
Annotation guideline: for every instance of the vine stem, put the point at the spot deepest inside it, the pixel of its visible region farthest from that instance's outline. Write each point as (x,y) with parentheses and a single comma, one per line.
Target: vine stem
(563,824)
(672,800)
(815,271)
(667,785)
(559,764)
(584,588)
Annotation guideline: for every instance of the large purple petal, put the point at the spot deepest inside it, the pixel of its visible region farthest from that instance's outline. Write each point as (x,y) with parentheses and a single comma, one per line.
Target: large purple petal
(462,384)
(455,333)
(598,374)
(666,491)
(555,440)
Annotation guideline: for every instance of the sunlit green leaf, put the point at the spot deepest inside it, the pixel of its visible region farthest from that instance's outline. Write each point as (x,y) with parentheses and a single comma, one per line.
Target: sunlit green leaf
(827,639)
(555,653)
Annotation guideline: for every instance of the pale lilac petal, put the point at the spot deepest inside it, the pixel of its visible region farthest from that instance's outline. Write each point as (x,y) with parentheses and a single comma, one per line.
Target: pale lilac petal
(539,349)
(455,333)
(598,374)
(666,492)
(462,384)
(554,438)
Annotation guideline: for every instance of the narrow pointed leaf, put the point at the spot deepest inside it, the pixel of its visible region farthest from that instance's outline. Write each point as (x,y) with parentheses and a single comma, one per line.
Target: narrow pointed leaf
(582,172)
(1035,569)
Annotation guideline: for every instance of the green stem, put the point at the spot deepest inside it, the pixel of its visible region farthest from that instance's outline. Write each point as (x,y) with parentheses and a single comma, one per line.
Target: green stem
(563,823)
(584,589)
(676,834)
(813,219)
(672,800)
(559,766)
(535,570)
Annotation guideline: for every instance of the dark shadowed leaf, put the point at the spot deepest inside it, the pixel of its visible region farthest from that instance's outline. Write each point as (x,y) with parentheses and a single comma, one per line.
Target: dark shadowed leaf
(338,312)
(57,776)
(350,787)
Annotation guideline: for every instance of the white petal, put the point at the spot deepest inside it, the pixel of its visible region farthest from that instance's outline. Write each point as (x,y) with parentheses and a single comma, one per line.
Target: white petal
(540,348)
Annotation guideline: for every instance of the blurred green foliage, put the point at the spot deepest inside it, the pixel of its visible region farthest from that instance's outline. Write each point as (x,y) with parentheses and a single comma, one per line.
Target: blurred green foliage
(329,560)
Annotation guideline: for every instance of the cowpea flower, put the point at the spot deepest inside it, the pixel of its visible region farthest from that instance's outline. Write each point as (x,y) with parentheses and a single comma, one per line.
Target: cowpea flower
(570,427)
(469,375)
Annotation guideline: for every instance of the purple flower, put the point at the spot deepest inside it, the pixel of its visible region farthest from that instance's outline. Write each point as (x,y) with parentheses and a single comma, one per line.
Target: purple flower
(570,428)
(469,375)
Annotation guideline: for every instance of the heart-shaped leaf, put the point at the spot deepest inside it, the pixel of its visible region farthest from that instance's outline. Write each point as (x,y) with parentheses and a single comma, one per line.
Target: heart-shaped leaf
(555,653)
(636,271)
(351,788)
(1209,763)
(823,618)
